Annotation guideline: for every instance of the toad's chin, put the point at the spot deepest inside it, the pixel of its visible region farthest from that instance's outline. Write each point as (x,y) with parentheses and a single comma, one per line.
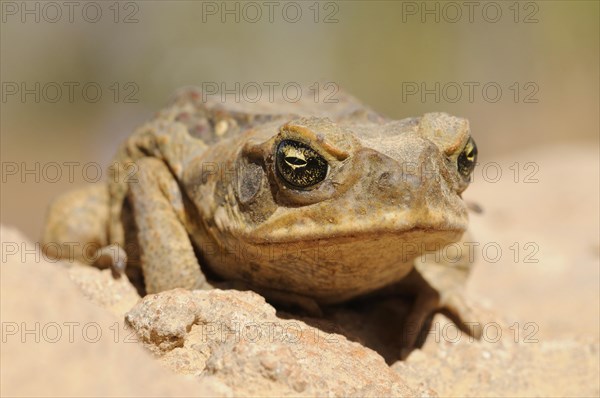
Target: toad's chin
(336,268)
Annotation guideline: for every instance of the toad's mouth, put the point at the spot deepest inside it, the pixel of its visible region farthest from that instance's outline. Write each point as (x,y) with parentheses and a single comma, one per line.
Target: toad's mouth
(401,225)
(428,237)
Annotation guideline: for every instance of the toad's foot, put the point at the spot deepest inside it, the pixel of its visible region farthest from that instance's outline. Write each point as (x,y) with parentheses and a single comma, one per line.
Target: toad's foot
(113,257)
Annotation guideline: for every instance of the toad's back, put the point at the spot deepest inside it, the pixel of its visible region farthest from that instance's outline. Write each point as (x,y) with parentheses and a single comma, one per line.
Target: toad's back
(214,117)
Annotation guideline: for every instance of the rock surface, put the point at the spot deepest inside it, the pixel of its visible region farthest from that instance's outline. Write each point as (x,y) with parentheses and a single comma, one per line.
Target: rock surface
(514,363)
(55,342)
(237,337)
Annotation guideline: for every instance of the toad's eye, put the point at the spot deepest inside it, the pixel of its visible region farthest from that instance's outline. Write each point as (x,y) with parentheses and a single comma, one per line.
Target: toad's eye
(467,159)
(299,165)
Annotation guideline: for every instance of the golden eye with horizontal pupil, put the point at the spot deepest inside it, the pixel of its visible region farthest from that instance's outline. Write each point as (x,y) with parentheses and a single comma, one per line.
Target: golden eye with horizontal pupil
(467,158)
(299,165)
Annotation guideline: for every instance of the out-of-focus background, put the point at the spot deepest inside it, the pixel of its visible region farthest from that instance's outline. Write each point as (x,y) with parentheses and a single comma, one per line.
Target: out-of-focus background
(526,74)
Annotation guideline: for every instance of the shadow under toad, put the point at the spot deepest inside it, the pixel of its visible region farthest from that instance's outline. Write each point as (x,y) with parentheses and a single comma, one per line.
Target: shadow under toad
(375,322)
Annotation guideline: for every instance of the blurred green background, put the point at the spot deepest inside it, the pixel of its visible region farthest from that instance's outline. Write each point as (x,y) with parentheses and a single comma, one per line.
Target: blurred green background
(372,49)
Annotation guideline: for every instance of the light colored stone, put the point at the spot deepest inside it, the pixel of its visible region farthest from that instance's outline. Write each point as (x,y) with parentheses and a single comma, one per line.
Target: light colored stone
(237,338)
(55,342)
(520,365)
(116,295)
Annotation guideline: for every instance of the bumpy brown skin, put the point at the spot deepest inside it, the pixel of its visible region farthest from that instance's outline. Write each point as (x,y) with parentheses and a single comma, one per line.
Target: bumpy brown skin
(206,193)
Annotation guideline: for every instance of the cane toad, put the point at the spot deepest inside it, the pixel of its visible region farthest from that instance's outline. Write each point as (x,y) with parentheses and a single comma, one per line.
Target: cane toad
(305,202)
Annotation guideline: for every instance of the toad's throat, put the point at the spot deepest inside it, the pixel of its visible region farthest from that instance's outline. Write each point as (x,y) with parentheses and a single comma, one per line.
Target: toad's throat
(332,269)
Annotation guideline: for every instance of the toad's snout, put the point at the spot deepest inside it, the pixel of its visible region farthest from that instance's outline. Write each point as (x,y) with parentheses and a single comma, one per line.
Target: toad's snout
(416,176)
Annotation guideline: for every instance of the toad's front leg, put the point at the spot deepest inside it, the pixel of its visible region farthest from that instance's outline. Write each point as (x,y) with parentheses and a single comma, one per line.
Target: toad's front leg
(166,253)
(427,300)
